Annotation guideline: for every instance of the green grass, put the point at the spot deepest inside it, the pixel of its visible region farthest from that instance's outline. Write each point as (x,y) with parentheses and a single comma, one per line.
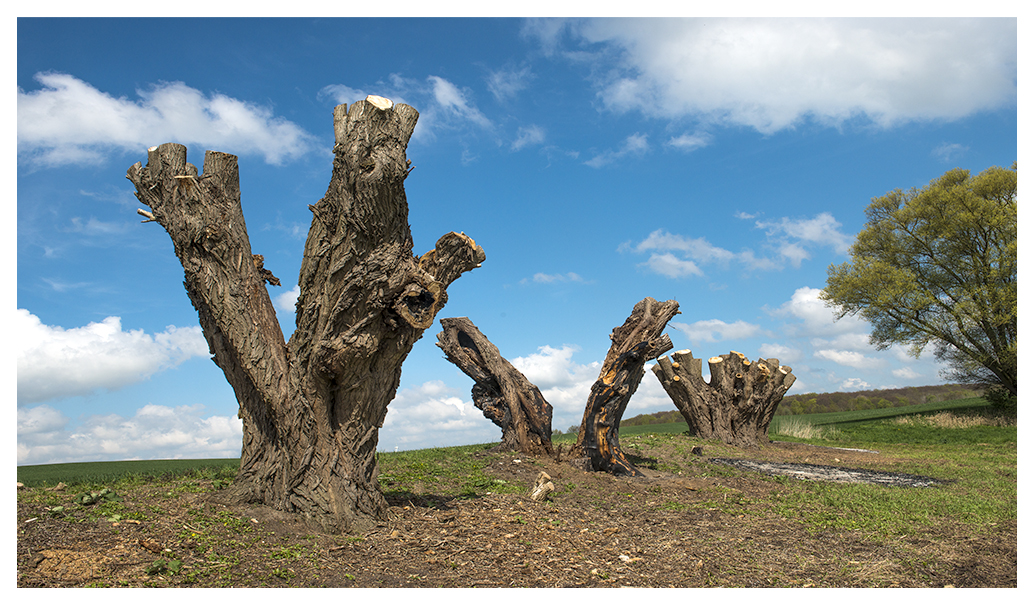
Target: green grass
(847,418)
(882,426)
(979,463)
(657,428)
(452,472)
(107,472)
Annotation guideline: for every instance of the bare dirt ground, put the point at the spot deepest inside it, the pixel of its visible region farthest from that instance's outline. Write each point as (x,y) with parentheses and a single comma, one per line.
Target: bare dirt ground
(694,528)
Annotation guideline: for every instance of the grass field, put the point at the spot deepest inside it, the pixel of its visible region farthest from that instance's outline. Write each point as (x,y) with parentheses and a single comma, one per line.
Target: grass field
(757,530)
(107,472)
(852,429)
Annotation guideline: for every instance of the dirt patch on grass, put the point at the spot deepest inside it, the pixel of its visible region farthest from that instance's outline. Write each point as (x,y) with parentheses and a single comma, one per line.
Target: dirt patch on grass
(688,523)
(831,473)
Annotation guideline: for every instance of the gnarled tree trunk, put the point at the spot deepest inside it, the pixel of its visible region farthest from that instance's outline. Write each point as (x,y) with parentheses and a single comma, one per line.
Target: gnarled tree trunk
(500,391)
(632,344)
(738,402)
(311,408)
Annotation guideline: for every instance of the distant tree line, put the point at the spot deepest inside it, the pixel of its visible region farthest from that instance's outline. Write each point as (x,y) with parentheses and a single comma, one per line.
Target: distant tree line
(811,403)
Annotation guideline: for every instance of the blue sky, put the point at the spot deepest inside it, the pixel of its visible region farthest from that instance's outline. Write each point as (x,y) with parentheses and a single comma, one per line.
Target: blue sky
(722,163)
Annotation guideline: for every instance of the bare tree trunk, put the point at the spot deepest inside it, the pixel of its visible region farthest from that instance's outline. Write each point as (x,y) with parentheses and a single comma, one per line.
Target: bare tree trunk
(500,391)
(738,402)
(634,343)
(311,408)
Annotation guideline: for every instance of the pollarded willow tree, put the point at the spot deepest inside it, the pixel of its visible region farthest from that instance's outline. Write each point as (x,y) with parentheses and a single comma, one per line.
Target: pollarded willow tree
(639,339)
(503,394)
(311,408)
(738,401)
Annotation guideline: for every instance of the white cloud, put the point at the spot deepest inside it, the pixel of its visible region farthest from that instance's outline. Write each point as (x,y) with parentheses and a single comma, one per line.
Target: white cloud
(54,362)
(771,74)
(714,331)
(94,227)
(698,249)
(286,300)
(854,384)
(433,414)
(853,359)
(785,354)
(528,135)
(816,319)
(70,121)
(635,144)
(688,142)
(650,396)
(154,432)
(670,266)
(906,373)
(563,382)
(810,337)
(856,341)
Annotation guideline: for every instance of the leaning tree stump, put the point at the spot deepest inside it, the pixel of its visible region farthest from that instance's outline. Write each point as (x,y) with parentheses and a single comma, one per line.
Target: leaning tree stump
(738,402)
(632,344)
(501,392)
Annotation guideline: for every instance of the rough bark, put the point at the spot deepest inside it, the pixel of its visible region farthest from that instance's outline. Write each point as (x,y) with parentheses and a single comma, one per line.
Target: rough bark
(500,391)
(311,408)
(634,343)
(738,402)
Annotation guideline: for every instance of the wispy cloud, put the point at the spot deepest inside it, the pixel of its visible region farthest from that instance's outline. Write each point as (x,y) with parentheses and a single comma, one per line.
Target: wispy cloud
(455,102)
(528,135)
(794,236)
(70,121)
(677,256)
(668,265)
(541,278)
(505,84)
(635,145)
(690,141)
(340,93)
(443,105)
(948,152)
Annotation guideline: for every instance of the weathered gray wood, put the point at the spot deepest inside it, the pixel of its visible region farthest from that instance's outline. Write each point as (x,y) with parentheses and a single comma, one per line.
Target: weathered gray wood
(638,340)
(737,403)
(503,394)
(311,408)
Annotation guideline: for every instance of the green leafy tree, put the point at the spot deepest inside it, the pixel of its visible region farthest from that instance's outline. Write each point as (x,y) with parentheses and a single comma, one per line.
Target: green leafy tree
(938,266)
